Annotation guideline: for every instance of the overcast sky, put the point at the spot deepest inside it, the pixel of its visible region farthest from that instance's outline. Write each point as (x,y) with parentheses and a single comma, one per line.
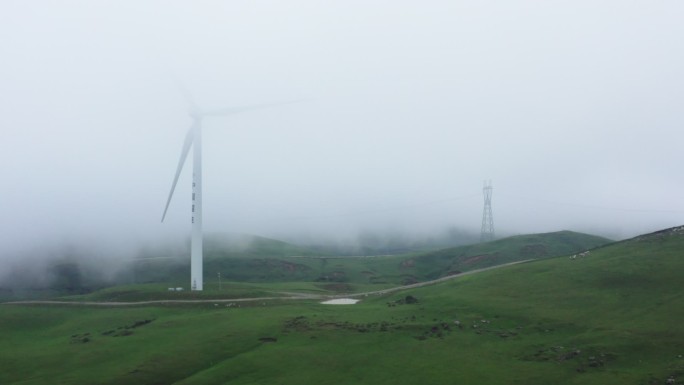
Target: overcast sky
(572,108)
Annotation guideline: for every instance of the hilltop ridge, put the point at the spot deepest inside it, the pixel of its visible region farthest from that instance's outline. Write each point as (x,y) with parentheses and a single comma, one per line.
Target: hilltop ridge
(515,248)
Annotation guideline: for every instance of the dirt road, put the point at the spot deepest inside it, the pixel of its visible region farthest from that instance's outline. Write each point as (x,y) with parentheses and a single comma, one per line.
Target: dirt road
(287,296)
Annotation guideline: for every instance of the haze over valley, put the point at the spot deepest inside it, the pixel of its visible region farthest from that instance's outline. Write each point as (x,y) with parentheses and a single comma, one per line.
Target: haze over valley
(490,191)
(572,110)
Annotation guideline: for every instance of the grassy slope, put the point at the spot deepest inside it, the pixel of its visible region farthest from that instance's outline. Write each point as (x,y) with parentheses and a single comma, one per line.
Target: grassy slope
(523,247)
(260,260)
(620,307)
(237,257)
(264,260)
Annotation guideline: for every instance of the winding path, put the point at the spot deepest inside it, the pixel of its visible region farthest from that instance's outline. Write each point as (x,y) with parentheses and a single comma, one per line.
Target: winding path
(291,296)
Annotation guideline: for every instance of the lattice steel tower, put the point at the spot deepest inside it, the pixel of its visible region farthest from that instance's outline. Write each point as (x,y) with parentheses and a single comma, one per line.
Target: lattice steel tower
(487,233)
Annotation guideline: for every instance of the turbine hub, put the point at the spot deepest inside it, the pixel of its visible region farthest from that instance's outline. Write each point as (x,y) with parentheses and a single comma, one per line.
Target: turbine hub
(196,115)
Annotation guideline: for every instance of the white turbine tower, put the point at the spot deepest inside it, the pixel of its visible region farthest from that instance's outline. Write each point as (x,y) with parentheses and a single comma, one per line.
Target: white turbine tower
(194,138)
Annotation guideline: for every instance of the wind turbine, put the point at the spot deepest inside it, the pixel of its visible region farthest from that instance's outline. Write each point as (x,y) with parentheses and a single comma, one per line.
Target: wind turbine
(194,138)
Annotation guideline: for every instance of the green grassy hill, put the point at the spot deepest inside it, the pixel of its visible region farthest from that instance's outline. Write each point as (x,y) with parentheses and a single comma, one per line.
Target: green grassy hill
(257,259)
(237,257)
(454,260)
(252,259)
(610,317)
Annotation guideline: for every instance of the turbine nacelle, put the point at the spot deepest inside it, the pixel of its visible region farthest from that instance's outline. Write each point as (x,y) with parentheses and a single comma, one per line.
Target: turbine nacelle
(196,115)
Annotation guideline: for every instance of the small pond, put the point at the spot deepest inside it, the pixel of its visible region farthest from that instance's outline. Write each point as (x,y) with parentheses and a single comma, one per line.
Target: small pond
(341,301)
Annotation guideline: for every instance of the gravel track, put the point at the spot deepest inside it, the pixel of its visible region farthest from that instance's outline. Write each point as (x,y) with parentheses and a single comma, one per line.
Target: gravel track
(290,296)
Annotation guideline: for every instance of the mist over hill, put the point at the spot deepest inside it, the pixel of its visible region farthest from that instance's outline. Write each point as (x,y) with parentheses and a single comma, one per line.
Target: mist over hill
(516,248)
(406,114)
(249,258)
(85,266)
(386,242)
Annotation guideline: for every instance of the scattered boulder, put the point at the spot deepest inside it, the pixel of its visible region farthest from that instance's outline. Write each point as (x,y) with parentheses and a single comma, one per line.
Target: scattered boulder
(80,338)
(408,300)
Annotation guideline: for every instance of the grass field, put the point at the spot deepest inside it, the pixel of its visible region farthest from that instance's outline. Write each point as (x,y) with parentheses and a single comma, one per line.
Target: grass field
(261,260)
(611,317)
(256,265)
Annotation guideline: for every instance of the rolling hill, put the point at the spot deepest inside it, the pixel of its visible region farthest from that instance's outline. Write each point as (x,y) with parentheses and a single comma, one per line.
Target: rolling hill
(258,259)
(609,317)
(253,259)
(454,260)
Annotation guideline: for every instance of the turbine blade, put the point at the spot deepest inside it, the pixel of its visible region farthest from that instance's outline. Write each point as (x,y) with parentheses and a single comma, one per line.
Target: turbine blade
(181,162)
(237,110)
